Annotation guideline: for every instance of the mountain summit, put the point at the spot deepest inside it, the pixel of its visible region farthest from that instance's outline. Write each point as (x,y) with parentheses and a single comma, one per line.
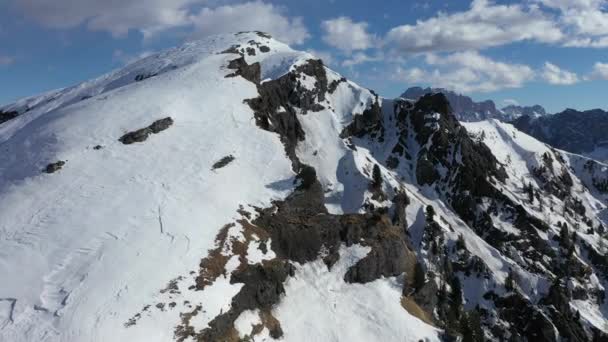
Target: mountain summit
(236,189)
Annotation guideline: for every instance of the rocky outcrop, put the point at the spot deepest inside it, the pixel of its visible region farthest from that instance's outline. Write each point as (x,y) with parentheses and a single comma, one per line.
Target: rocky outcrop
(142,134)
(465,109)
(8,115)
(262,288)
(275,107)
(54,167)
(223,162)
(250,72)
(301,230)
(300,227)
(368,123)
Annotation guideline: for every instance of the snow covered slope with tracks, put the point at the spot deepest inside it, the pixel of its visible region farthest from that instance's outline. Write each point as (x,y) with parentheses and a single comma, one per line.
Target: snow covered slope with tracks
(234,188)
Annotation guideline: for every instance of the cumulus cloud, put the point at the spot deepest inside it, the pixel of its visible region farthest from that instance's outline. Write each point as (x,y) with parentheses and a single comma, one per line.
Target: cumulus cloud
(510,102)
(326,57)
(555,75)
(600,71)
(150,17)
(250,16)
(467,72)
(585,21)
(346,35)
(360,58)
(114,16)
(483,25)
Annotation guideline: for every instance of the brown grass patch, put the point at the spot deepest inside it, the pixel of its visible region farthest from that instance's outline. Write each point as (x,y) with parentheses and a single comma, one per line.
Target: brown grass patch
(272,323)
(414,309)
(185,330)
(214,265)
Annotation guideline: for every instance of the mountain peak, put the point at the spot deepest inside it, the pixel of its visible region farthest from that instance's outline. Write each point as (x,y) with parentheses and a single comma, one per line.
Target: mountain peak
(468,110)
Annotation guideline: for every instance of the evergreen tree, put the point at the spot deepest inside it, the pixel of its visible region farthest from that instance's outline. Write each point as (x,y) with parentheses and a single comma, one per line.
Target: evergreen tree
(564,236)
(460,243)
(456,295)
(419,276)
(475,324)
(430,213)
(600,229)
(530,191)
(470,326)
(510,281)
(376,177)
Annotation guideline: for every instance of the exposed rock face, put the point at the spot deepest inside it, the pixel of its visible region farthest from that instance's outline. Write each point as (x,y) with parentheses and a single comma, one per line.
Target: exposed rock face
(275,108)
(513,112)
(5,116)
(570,130)
(370,122)
(465,171)
(223,162)
(471,166)
(142,134)
(263,286)
(465,109)
(249,72)
(54,167)
(300,227)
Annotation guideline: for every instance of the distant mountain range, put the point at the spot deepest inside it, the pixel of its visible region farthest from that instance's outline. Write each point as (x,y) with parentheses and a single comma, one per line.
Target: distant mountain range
(581,132)
(571,130)
(468,110)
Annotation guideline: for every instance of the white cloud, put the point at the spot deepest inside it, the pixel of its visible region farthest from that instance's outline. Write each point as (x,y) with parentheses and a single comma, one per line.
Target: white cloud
(510,102)
(346,35)
(150,17)
(326,57)
(360,58)
(467,72)
(247,17)
(483,25)
(585,21)
(555,75)
(600,71)
(114,16)
(6,60)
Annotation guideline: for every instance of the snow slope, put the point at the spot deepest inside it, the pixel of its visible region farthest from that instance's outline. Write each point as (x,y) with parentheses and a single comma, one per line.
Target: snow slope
(85,248)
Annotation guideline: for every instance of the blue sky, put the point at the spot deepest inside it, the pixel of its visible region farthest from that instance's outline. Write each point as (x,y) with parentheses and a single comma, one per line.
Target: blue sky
(550,52)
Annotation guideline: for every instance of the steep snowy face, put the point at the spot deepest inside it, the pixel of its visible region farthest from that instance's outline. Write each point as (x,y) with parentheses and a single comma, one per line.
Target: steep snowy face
(520,227)
(235,189)
(140,205)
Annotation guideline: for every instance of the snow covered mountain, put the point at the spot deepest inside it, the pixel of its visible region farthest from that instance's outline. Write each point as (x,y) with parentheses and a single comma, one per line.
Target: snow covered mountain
(236,189)
(571,130)
(467,110)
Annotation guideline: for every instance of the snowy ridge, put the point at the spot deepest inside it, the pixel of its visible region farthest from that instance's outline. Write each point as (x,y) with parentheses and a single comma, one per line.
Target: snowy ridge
(97,240)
